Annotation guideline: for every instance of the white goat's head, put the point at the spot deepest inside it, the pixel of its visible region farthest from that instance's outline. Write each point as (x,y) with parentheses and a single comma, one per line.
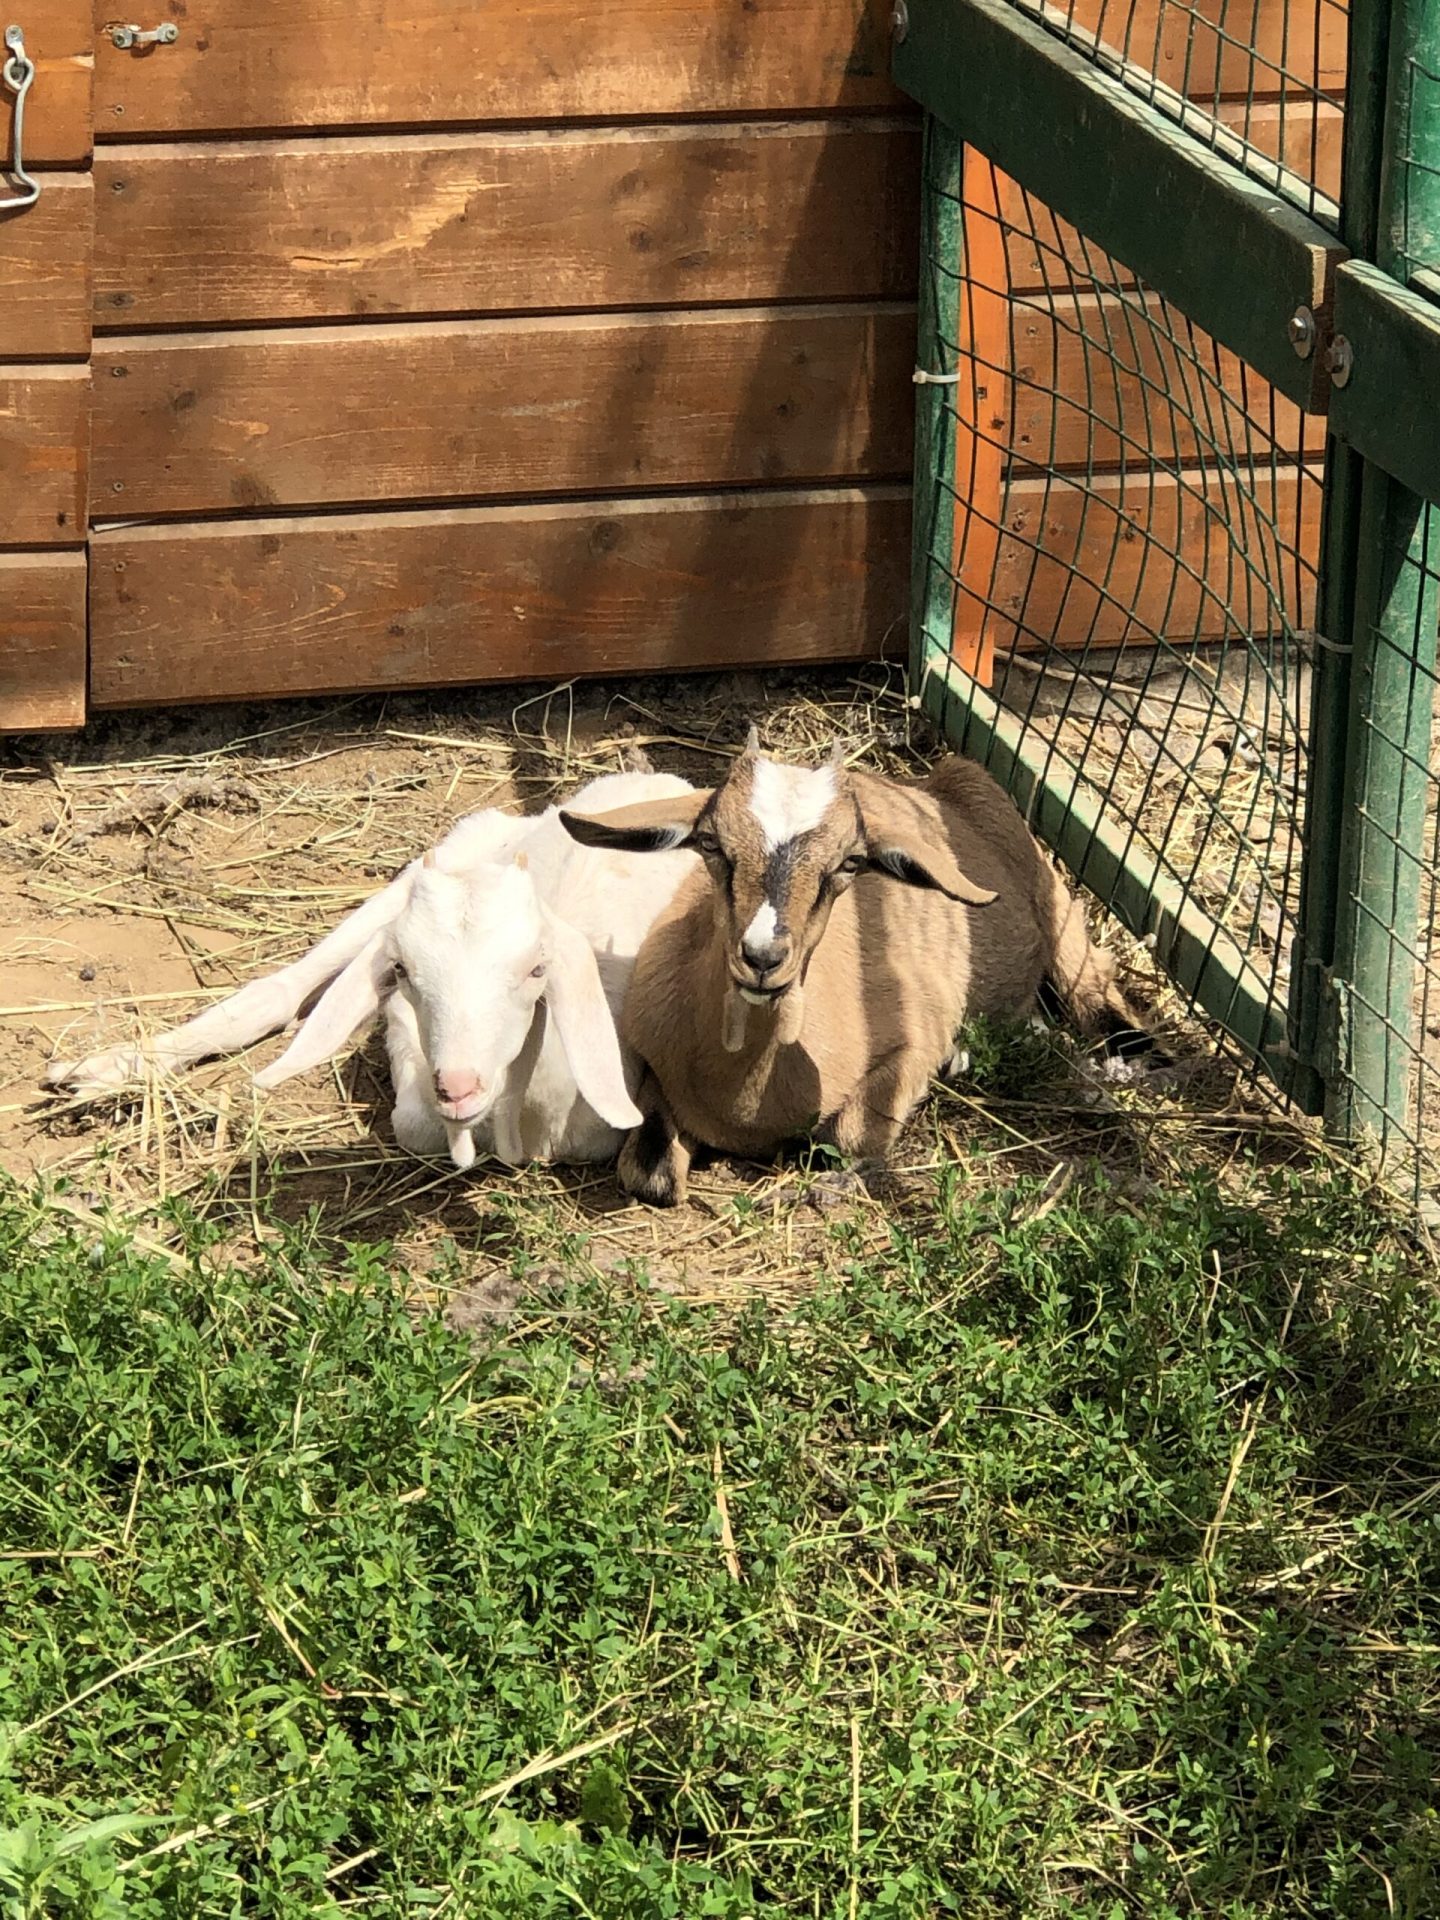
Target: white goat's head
(474,952)
(471,952)
(782,844)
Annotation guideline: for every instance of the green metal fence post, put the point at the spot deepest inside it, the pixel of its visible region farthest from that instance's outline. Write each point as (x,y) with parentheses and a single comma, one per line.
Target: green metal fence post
(1382,846)
(1328,794)
(1409,240)
(941,246)
(1393,635)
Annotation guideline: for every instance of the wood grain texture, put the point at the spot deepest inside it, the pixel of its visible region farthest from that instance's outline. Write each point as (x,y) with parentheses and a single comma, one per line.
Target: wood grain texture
(1045,251)
(58,123)
(45,273)
(44,450)
(1144,554)
(42,640)
(338,227)
(262,64)
(234,610)
(482,409)
(1112,380)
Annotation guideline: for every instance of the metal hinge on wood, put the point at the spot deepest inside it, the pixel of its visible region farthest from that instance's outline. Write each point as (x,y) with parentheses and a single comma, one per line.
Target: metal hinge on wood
(165,35)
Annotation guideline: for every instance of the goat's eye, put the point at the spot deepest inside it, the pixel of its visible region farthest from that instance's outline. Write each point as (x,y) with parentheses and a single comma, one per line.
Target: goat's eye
(401,971)
(538,973)
(706,844)
(853,865)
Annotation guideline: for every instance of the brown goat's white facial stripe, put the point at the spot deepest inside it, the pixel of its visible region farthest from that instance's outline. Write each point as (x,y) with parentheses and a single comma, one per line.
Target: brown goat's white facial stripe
(761,930)
(789,801)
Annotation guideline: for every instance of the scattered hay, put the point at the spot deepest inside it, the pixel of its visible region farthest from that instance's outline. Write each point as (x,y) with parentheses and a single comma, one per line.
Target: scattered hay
(164,859)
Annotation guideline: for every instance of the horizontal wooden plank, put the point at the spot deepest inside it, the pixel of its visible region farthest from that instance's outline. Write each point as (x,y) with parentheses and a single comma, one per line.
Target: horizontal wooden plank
(1099,382)
(263,64)
(44,449)
(45,273)
(232,610)
(58,38)
(1210,47)
(336,227)
(42,640)
(487,408)
(1046,251)
(1141,554)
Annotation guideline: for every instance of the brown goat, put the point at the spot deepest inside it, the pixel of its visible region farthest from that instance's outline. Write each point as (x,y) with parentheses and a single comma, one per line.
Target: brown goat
(848,926)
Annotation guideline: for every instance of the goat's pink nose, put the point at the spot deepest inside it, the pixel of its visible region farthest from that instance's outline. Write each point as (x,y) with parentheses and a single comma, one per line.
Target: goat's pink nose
(455,1087)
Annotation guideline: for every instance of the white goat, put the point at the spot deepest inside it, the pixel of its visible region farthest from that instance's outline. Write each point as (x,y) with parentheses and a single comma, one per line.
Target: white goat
(509,949)
(848,927)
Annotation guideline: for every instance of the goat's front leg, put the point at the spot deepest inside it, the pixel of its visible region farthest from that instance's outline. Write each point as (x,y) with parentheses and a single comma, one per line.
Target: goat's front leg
(655,1159)
(871,1120)
(417,1126)
(259,1008)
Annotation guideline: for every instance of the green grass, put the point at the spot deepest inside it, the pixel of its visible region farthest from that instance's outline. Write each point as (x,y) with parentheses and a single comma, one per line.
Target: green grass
(1088,1558)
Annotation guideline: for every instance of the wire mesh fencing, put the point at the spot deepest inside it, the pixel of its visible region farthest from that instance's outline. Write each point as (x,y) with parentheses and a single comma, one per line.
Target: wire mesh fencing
(1261,82)
(1416,223)
(1190,625)
(1125,544)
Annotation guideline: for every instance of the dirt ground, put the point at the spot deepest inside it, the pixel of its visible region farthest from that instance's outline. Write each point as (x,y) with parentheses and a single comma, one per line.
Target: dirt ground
(164,858)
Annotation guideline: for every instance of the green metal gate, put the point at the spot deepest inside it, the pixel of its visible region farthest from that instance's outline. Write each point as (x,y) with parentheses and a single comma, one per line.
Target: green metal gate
(1177,546)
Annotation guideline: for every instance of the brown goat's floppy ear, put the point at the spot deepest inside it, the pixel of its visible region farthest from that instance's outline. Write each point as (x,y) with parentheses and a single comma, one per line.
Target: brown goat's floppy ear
(652,826)
(904,842)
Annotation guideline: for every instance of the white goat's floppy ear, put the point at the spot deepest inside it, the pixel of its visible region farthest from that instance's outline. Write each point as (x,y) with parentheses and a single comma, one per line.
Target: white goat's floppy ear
(585,1024)
(651,826)
(906,842)
(351,998)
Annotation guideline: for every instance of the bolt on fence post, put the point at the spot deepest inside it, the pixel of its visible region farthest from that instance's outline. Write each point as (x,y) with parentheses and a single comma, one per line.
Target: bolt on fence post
(1394,617)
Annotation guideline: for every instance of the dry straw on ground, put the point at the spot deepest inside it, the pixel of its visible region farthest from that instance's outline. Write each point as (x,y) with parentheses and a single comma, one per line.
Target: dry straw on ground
(159,860)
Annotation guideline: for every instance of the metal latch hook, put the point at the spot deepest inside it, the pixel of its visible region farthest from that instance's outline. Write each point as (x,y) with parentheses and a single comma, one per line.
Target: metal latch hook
(17,73)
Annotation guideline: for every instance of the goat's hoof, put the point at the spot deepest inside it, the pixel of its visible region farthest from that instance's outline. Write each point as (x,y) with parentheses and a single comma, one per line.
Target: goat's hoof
(653,1164)
(956,1067)
(649,1176)
(419,1132)
(657,1186)
(840,1187)
(101,1073)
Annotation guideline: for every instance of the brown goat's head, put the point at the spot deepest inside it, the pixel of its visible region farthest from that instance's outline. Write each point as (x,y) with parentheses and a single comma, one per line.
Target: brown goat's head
(782,844)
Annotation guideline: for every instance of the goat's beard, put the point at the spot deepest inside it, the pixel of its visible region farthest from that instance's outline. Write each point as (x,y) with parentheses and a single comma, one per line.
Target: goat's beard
(787,1006)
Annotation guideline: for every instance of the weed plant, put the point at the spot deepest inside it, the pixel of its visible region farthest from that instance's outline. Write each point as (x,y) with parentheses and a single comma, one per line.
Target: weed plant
(1079,1555)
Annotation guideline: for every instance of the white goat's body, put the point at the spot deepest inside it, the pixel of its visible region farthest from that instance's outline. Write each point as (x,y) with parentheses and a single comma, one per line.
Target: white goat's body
(610,900)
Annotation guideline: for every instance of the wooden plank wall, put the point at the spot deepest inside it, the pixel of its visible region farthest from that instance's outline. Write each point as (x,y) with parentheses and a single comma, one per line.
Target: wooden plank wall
(45,258)
(1066,375)
(443,343)
(454,342)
